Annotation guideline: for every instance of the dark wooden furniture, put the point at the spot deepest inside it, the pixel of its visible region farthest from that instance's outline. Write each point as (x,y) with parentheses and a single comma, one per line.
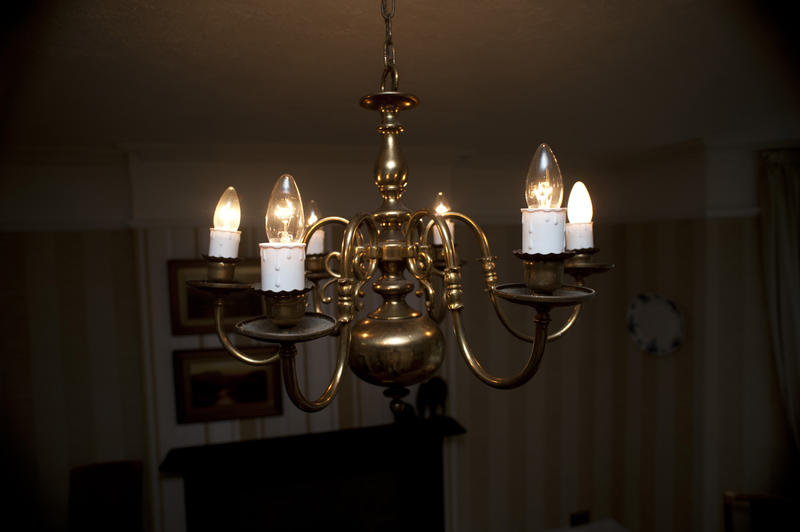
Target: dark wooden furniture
(106,496)
(384,478)
(759,512)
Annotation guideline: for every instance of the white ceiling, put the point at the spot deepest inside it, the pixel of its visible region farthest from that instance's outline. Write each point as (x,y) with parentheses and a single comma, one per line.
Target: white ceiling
(595,78)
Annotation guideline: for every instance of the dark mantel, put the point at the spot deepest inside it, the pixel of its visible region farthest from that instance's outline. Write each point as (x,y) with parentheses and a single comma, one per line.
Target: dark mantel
(386,478)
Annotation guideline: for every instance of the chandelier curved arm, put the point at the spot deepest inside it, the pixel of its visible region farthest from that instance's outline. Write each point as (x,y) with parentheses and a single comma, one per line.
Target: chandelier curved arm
(490,280)
(318,293)
(420,263)
(319,224)
(573,317)
(287,355)
(229,347)
(531,366)
(358,264)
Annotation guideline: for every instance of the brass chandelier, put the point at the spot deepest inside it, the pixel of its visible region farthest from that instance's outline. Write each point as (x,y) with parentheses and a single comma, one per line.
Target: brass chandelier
(396,346)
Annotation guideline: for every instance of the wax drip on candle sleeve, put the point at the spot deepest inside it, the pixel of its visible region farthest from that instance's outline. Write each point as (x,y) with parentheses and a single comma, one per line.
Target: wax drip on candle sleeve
(284,223)
(544,220)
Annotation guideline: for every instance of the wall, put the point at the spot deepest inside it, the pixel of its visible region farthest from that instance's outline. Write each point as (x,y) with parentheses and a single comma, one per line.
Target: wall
(71,375)
(650,442)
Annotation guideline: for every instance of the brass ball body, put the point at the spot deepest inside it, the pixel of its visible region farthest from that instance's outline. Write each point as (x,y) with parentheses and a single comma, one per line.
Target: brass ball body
(396,352)
(395,345)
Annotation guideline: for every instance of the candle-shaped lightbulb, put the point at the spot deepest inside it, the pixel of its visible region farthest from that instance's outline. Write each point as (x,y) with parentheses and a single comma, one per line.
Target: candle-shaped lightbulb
(544,186)
(225,234)
(442,206)
(316,245)
(544,220)
(283,257)
(579,211)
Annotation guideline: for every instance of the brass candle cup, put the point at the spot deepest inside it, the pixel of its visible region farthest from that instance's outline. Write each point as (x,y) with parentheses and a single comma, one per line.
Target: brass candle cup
(285,309)
(315,266)
(543,273)
(221,269)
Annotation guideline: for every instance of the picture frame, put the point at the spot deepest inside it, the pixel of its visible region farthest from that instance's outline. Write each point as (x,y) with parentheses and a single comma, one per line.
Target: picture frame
(192,311)
(211,385)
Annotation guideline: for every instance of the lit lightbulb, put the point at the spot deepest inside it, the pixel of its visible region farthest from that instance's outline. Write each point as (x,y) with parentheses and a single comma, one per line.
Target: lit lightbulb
(579,204)
(284,219)
(440,204)
(544,187)
(316,244)
(227,215)
(313,213)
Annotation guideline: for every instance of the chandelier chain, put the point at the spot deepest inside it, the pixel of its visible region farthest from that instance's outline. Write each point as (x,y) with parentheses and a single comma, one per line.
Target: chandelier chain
(389,53)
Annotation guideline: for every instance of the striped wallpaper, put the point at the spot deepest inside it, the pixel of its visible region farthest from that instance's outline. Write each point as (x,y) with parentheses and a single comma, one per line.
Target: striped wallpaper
(649,442)
(71,383)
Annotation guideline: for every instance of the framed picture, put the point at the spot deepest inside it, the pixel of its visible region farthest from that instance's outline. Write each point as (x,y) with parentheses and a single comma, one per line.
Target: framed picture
(192,311)
(211,385)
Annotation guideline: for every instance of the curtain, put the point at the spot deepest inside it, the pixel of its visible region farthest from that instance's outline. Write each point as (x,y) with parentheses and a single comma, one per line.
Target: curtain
(780,221)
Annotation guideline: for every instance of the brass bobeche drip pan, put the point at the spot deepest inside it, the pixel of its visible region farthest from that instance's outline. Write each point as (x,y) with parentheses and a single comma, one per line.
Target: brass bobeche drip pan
(563,296)
(581,265)
(310,326)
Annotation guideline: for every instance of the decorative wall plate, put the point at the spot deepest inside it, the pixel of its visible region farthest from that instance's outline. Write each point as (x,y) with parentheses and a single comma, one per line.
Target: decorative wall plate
(655,324)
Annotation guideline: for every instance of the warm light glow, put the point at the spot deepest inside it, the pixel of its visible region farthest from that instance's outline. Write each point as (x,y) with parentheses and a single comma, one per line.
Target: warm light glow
(440,204)
(313,213)
(284,219)
(579,204)
(544,187)
(227,215)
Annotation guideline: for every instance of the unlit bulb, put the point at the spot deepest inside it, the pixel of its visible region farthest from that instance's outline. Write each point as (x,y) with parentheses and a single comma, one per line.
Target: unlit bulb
(284,220)
(544,187)
(228,214)
(579,204)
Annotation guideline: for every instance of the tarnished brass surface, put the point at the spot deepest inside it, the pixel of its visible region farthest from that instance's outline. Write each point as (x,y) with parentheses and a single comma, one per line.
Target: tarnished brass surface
(389,100)
(528,371)
(221,270)
(229,347)
(289,371)
(310,327)
(397,352)
(581,270)
(565,296)
(285,310)
(315,266)
(543,277)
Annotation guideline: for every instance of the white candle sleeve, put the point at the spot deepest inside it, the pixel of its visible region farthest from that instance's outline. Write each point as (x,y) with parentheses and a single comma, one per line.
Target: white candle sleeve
(543,230)
(316,245)
(437,237)
(580,236)
(223,243)
(283,266)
